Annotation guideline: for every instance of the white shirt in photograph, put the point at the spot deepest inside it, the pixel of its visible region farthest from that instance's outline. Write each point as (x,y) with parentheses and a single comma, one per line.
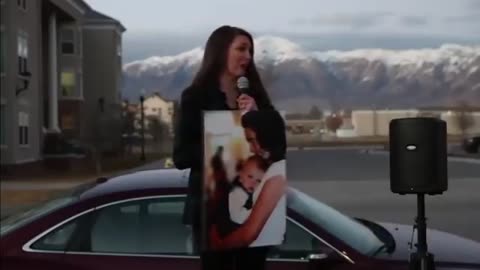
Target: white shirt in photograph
(273,231)
(236,200)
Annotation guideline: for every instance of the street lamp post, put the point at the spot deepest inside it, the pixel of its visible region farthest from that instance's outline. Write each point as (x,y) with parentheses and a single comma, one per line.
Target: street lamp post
(142,123)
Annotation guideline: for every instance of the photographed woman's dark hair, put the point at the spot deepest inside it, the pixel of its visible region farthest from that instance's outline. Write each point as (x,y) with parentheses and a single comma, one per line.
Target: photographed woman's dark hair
(215,61)
(269,128)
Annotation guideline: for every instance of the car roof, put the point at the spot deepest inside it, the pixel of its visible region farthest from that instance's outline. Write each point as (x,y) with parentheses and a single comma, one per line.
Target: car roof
(146,179)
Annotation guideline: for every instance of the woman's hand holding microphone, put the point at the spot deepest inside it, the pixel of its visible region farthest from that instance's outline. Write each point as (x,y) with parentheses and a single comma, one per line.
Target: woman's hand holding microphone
(246,103)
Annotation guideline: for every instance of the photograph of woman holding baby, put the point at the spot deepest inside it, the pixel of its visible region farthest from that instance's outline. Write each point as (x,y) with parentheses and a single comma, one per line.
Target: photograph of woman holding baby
(246,211)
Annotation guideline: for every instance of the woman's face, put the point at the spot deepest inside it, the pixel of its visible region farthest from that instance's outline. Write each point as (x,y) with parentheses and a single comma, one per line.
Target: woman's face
(253,142)
(239,56)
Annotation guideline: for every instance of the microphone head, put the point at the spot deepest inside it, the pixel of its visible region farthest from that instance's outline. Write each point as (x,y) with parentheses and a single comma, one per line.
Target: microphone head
(242,83)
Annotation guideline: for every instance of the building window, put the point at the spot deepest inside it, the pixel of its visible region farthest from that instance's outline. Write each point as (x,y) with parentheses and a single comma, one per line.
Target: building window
(119,47)
(67,82)
(22,51)
(22,4)
(79,37)
(3,124)
(3,51)
(67,37)
(80,84)
(23,123)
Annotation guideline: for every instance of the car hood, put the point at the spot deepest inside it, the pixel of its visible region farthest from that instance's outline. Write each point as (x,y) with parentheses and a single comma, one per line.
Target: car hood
(447,248)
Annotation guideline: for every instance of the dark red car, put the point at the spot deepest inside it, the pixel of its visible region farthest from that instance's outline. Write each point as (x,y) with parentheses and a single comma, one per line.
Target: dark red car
(134,221)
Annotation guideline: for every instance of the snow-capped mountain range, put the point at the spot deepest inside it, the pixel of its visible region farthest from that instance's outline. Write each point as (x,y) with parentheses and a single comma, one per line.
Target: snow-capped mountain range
(297,78)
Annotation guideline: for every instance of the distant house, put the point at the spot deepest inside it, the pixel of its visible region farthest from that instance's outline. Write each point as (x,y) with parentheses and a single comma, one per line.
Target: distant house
(60,59)
(376,122)
(158,107)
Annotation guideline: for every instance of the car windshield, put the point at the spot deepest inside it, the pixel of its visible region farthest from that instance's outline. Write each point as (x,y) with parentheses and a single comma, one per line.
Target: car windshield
(342,227)
(29,214)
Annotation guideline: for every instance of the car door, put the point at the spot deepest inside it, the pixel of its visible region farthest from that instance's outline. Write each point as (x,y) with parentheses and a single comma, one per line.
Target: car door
(303,250)
(143,233)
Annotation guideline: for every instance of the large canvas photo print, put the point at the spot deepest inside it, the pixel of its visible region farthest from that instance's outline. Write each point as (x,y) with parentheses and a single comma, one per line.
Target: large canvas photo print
(242,153)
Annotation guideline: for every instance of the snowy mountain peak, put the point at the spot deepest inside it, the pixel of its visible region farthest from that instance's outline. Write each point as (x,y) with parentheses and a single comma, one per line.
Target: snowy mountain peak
(448,54)
(158,63)
(275,50)
(267,49)
(357,78)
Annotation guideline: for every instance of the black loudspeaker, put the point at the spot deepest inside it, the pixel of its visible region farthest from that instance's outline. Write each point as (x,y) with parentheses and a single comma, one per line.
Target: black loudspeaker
(418,156)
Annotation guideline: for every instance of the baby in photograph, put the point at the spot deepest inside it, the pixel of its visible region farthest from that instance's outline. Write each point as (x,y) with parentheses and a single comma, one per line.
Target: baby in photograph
(240,198)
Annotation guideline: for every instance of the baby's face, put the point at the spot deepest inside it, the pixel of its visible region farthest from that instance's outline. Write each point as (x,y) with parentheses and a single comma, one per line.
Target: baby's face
(251,176)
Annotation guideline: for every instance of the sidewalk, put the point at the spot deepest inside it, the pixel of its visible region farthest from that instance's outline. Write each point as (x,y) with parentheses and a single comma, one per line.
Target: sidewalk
(453,155)
(19,193)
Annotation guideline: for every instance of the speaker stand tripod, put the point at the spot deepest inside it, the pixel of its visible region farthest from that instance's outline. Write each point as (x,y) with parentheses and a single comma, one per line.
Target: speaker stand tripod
(421,259)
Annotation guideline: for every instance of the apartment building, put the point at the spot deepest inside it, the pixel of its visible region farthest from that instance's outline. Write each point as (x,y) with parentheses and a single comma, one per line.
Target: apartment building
(60,60)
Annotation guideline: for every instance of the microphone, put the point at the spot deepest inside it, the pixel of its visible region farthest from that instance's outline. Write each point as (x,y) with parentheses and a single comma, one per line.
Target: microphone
(243,85)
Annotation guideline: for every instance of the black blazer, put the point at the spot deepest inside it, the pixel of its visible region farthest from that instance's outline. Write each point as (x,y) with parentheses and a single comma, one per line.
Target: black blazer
(188,141)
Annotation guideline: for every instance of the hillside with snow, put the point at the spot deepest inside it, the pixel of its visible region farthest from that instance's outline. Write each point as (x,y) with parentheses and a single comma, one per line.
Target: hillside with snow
(297,78)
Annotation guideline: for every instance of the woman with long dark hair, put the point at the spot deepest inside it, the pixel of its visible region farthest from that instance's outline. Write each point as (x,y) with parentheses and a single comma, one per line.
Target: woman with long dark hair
(228,55)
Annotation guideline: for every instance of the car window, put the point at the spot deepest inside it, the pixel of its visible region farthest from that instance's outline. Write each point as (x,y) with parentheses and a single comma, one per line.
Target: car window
(151,226)
(173,237)
(342,227)
(298,244)
(117,229)
(56,240)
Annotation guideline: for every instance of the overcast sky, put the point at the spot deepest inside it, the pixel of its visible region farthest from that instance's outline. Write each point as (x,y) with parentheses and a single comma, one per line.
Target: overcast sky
(442,17)
(154,26)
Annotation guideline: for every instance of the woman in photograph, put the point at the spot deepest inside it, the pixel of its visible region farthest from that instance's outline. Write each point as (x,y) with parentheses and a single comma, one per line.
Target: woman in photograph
(228,55)
(266,224)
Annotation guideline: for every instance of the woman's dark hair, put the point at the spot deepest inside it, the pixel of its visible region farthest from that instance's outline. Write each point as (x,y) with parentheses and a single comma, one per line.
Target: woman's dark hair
(215,61)
(269,128)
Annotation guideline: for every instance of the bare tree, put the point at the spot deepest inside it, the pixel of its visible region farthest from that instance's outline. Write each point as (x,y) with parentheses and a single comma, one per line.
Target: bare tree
(128,130)
(315,113)
(463,118)
(106,135)
(157,128)
(333,122)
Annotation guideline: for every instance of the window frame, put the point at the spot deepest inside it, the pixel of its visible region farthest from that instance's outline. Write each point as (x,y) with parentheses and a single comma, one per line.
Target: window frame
(3,117)
(22,5)
(22,52)
(119,47)
(73,40)
(4,53)
(27,247)
(23,129)
(75,92)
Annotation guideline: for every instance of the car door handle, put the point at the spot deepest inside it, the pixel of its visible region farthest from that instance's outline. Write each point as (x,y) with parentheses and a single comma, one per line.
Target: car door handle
(317,256)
